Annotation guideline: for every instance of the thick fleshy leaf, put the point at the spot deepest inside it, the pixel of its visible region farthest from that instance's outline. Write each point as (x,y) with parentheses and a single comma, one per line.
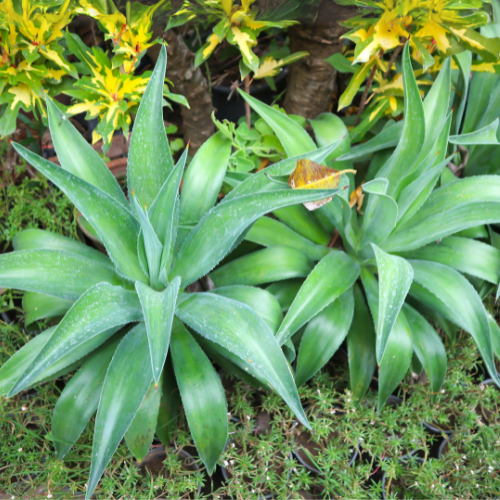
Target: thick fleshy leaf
(398,351)
(428,347)
(77,156)
(463,60)
(463,254)
(38,306)
(164,213)
(389,137)
(260,180)
(361,347)
(16,365)
(170,403)
(304,222)
(395,276)
(203,179)
(413,135)
(80,398)
(450,294)
(323,336)
(115,224)
(52,272)
(396,360)
(127,381)
(158,310)
(330,129)
(270,232)
(292,136)
(38,239)
(380,215)
(148,240)
(495,335)
(452,208)
(149,158)
(261,301)
(236,327)
(485,135)
(331,277)
(202,396)
(285,292)
(141,432)
(263,266)
(102,308)
(217,232)
(436,108)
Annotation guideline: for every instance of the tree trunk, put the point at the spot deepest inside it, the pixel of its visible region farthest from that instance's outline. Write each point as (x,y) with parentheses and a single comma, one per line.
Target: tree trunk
(312,80)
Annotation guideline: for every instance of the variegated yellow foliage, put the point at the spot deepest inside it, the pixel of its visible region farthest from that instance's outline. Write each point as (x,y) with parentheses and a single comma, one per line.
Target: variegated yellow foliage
(238,25)
(32,58)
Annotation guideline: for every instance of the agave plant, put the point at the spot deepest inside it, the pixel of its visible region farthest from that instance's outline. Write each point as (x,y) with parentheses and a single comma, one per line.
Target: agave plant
(406,254)
(124,310)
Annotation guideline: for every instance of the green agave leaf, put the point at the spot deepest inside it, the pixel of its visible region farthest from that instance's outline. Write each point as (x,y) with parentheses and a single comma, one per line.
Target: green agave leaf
(417,192)
(303,222)
(292,136)
(236,327)
(263,266)
(396,360)
(463,254)
(232,364)
(202,396)
(361,347)
(102,308)
(139,436)
(260,180)
(455,206)
(170,403)
(395,276)
(330,129)
(323,336)
(428,347)
(116,226)
(127,381)
(413,135)
(80,398)
(495,335)
(380,215)
(332,276)
(151,244)
(270,232)
(436,108)
(203,179)
(77,156)
(220,228)
(285,292)
(38,239)
(261,301)
(481,89)
(16,365)
(158,310)
(38,306)
(149,159)
(164,212)
(485,135)
(52,272)
(450,294)
(464,61)
(389,137)
(398,352)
